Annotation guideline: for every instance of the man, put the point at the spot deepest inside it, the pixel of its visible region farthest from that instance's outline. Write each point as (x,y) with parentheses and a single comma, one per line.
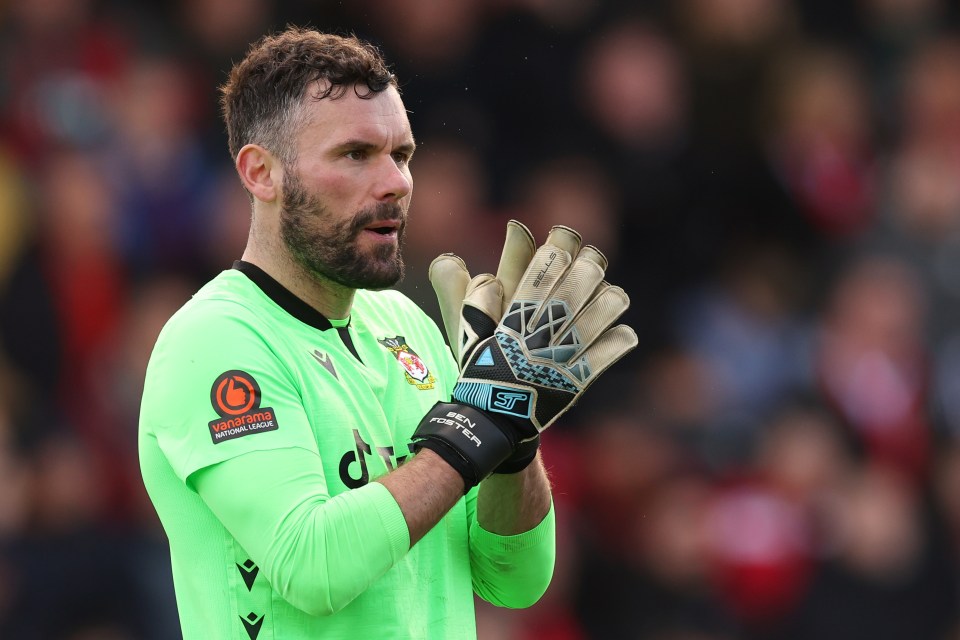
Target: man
(296,434)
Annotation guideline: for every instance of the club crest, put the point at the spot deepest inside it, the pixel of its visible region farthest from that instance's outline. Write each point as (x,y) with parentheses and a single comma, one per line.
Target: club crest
(414,368)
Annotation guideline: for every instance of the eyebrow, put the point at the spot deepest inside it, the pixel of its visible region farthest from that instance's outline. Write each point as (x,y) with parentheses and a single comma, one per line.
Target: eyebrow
(363,145)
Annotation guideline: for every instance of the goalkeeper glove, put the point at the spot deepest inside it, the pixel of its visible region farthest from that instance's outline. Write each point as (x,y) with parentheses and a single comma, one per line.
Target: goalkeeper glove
(472,307)
(554,340)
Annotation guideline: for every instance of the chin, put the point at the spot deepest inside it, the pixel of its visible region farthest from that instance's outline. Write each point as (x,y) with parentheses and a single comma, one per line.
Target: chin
(375,280)
(385,283)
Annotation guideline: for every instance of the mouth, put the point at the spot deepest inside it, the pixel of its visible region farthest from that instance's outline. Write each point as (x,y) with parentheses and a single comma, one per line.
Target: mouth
(385,228)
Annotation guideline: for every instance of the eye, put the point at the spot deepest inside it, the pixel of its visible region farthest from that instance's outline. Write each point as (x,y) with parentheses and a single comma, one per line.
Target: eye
(401,157)
(356,154)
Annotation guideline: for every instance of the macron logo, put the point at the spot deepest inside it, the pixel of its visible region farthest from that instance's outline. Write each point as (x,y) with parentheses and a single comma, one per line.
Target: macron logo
(325,360)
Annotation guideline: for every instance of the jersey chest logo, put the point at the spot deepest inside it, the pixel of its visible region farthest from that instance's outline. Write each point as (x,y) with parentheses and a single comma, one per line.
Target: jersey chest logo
(414,368)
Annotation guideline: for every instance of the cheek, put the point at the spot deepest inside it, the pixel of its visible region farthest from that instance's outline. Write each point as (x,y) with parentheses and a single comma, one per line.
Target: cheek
(335,184)
(339,192)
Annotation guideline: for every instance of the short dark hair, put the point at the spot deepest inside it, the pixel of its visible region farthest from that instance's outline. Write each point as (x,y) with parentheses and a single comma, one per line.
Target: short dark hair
(261,98)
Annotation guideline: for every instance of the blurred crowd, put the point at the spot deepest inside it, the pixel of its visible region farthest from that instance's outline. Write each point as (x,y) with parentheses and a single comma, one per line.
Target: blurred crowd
(775,182)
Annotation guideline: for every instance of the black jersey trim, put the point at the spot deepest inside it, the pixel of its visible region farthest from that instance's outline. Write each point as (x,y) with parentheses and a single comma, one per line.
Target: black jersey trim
(292,304)
(344,333)
(283,296)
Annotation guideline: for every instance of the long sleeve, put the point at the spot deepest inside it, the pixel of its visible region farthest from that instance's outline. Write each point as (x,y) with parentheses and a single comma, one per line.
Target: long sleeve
(511,571)
(318,552)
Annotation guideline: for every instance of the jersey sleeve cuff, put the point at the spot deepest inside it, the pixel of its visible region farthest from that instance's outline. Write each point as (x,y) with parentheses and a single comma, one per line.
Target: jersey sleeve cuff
(513,571)
(497,544)
(391,517)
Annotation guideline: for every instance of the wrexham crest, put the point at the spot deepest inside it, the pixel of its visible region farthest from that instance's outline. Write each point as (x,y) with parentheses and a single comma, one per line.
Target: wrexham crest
(414,368)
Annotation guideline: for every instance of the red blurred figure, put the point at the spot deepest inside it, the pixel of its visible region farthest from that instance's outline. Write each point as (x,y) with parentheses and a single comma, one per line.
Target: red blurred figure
(60,64)
(871,361)
(820,140)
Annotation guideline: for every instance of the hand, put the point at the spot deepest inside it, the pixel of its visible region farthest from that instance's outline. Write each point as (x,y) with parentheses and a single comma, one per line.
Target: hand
(554,340)
(471,308)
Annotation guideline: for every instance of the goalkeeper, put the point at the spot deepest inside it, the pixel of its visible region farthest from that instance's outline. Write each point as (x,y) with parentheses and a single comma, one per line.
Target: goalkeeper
(322,466)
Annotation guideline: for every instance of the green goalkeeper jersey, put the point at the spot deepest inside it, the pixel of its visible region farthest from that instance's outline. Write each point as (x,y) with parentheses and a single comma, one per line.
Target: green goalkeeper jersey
(262,425)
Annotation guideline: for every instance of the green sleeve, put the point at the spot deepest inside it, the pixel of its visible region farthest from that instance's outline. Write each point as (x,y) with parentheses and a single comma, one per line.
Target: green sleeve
(194,353)
(318,552)
(511,571)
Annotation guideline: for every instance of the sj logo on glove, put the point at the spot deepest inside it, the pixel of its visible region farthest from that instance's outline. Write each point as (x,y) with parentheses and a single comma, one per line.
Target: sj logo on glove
(490,397)
(512,402)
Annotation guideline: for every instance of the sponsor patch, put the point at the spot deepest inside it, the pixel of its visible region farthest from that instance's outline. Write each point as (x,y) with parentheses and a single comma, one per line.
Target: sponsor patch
(414,368)
(235,396)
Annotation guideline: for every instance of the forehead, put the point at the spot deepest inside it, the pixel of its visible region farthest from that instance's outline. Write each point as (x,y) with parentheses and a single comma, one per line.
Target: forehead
(380,118)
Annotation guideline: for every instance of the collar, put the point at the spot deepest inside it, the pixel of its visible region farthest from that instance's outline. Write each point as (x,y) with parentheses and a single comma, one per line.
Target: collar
(283,296)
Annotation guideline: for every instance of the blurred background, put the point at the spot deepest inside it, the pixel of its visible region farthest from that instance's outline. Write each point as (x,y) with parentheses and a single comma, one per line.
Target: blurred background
(776,183)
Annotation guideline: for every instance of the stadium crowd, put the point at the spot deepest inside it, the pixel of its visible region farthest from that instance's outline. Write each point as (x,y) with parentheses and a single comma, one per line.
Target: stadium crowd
(776,183)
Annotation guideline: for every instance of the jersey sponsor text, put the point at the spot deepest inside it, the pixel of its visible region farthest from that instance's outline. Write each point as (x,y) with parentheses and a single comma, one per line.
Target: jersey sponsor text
(246,424)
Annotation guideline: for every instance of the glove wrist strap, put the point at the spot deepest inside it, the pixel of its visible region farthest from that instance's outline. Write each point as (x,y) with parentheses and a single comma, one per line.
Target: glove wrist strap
(468,439)
(522,456)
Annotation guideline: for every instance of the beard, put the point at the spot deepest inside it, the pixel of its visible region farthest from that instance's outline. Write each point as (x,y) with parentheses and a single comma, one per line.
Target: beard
(329,248)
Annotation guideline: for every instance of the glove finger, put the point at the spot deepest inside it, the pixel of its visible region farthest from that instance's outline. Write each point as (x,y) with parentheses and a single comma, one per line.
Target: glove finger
(600,356)
(612,345)
(578,285)
(590,252)
(582,330)
(449,276)
(565,238)
(547,266)
(482,304)
(570,294)
(483,292)
(545,270)
(518,249)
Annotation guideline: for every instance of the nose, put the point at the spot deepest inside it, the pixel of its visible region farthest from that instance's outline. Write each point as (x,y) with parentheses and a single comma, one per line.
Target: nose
(394,181)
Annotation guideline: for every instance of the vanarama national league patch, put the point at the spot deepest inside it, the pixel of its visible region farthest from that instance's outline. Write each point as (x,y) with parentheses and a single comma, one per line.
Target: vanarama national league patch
(414,368)
(235,396)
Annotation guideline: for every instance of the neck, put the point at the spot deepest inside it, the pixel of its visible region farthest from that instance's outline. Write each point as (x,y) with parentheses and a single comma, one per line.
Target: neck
(331,299)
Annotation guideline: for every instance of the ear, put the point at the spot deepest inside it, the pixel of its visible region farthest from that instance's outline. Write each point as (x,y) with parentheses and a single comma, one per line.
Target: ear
(257,168)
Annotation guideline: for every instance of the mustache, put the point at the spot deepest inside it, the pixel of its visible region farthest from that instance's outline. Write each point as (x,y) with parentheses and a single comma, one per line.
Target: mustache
(380,212)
